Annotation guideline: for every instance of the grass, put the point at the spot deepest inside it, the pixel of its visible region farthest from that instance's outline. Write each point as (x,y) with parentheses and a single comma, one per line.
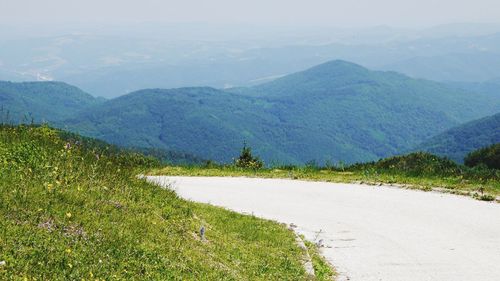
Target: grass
(71,211)
(322,269)
(486,187)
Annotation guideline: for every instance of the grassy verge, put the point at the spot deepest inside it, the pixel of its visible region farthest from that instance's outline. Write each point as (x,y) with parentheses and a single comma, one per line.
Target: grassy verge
(70,211)
(452,183)
(322,269)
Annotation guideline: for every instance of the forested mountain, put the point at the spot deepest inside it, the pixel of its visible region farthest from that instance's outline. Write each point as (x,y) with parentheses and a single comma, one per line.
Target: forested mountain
(337,111)
(457,142)
(204,121)
(42,101)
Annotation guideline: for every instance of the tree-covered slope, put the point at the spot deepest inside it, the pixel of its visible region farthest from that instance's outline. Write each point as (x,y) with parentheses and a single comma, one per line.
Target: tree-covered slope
(336,111)
(42,101)
(457,142)
(341,107)
(338,81)
(204,121)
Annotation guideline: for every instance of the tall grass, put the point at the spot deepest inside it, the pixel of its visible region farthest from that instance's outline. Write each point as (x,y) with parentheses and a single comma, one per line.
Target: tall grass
(73,210)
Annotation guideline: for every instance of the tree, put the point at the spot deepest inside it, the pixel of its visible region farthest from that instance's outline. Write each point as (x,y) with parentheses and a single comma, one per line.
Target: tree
(247,160)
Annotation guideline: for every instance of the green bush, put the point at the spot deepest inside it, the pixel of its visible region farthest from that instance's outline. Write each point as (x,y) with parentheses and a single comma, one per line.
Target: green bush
(487,156)
(247,160)
(414,164)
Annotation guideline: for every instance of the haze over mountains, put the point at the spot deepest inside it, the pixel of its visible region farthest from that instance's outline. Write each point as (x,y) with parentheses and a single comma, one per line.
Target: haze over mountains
(115,61)
(336,111)
(293,94)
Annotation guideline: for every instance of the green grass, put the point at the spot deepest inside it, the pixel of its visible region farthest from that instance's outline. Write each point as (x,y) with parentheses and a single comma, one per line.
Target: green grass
(468,182)
(80,213)
(322,269)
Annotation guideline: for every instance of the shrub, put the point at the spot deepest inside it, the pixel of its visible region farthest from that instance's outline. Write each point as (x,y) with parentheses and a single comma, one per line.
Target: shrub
(488,156)
(247,160)
(414,164)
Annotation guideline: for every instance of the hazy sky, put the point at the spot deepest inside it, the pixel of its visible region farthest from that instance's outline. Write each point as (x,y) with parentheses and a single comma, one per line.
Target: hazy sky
(342,13)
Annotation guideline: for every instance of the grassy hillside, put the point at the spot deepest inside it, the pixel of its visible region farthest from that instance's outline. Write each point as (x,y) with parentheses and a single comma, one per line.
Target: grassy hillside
(74,211)
(41,101)
(457,142)
(334,112)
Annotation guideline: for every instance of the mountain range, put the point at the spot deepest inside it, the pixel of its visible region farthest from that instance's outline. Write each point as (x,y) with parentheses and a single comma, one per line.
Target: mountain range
(114,63)
(336,111)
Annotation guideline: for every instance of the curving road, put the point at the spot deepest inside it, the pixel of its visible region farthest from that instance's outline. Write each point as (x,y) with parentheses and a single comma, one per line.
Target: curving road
(369,233)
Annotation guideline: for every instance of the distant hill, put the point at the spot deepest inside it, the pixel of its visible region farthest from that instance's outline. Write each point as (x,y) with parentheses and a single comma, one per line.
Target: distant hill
(337,111)
(203,121)
(467,67)
(42,101)
(488,87)
(457,142)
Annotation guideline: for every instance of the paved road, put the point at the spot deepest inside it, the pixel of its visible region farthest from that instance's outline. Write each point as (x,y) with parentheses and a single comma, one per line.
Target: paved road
(370,233)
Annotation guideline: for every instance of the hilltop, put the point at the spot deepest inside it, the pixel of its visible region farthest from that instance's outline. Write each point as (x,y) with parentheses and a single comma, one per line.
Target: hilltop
(42,101)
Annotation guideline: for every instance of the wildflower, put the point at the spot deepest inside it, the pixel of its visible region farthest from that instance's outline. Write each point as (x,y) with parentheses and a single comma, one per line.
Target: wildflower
(70,265)
(68,251)
(2,263)
(68,215)
(50,186)
(67,146)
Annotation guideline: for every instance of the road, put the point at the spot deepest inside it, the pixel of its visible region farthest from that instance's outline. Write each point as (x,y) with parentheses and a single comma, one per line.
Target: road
(369,233)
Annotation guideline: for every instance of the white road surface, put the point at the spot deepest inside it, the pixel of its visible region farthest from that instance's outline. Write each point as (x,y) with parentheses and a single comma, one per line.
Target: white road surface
(369,233)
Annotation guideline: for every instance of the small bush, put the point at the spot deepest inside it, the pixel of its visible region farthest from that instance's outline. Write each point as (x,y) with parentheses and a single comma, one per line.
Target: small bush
(247,160)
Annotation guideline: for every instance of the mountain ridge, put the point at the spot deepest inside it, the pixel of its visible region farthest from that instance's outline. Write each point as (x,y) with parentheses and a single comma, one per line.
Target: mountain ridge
(337,111)
(457,142)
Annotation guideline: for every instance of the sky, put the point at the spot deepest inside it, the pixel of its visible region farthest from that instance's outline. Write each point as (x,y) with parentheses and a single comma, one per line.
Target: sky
(340,13)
